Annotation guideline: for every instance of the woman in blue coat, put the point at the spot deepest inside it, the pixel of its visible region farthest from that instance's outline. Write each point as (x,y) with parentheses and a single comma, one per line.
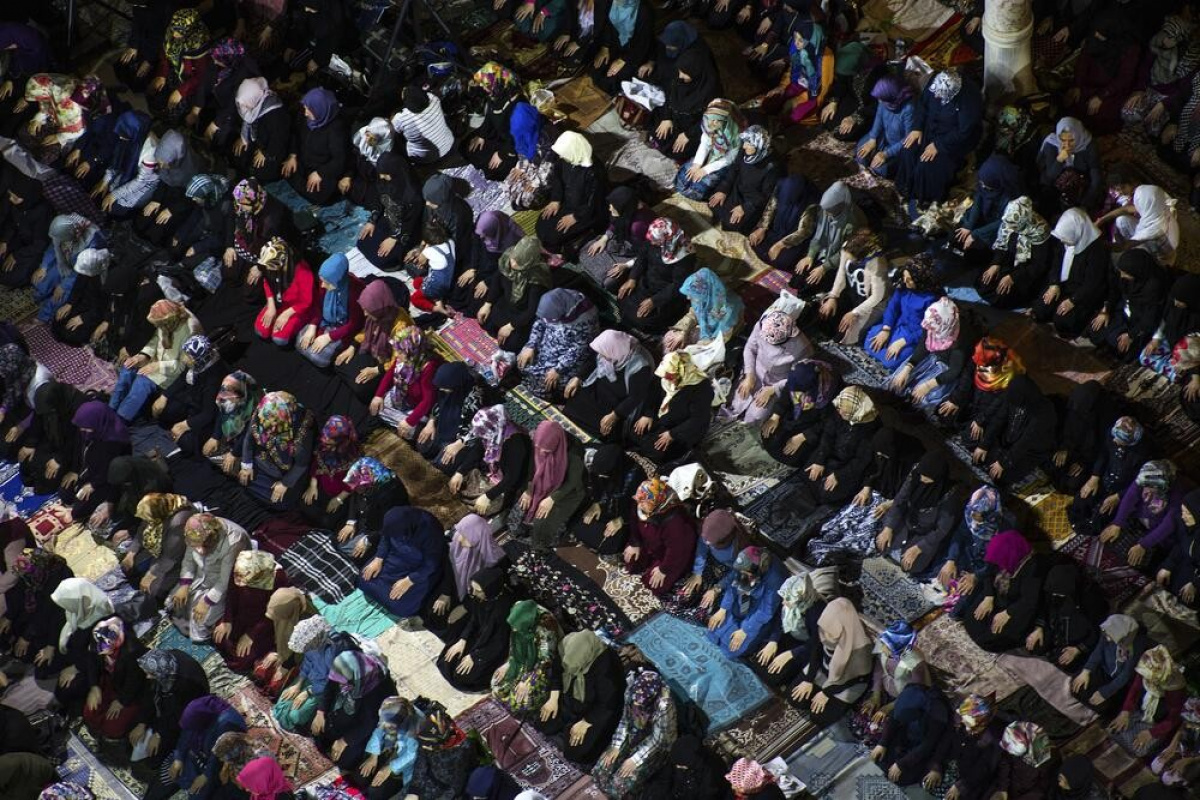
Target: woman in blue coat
(749,604)
(878,149)
(892,340)
(946,128)
(408,563)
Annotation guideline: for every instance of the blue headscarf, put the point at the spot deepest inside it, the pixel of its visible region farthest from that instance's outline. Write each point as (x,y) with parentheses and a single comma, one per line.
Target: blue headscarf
(336,308)
(623,15)
(717,311)
(793,194)
(910,710)
(525,126)
(898,637)
(129,133)
(323,104)
(806,61)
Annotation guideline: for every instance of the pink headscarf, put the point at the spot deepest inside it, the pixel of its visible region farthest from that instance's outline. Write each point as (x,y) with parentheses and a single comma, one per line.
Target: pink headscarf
(941,325)
(378,301)
(1007,550)
(479,552)
(616,346)
(264,779)
(549,463)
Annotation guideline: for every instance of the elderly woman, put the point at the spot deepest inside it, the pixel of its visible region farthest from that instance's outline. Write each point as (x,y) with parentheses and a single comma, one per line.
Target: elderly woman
(276,451)
(290,289)
(510,305)
(642,742)
(676,415)
(555,490)
(825,226)
(720,146)
(774,346)
(70,235)
(800,412)
(748,185)
(662,539)
(557,352)
(893,338)
(159,364)
(340,312)
(829,687)
(614,389)
(263,145)
(1069,167)
(650,297)
(714,312)
(1110,665)
(945,129)
(408,562)
(879,148)
(213,546)
(578,208)
(1022,256)
(320,155)
(1075,287)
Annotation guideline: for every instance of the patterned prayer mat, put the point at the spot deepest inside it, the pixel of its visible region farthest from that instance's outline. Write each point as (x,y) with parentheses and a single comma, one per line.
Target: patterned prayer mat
(564,590)
(1156,402)
(74,365)
(822,760)
(890,594)
(545,770)
(341,221)
(966,667)
(1114,766)
(482,195)
(222,681)
(1167,620)
(912,19)
(466,340)
(15,492)
(356,614)
(1026,704)
(772,730)
(119,590)
(724,690)
(627,591)
(734,452)
(84,766)
(1051,683)
(298,755)
(166,636)
(1106,565)
(412,660)
(86,557)
(427,486)
(581,101)
(528,411)
(17,304)
(784,513)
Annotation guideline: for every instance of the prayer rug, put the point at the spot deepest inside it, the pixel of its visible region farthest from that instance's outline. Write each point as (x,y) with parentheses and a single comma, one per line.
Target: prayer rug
(1106,564)
(1051,683)
(628,157)
(167,637)
(298,755)
(1166,619)
(468,341)
(340,222)
(1050,513)
(734,452)
(861,368)
(48,521)
(583,789)
(945,47)
(889,593)
(822,760)
(356,614)
(28,696)
(1026,704)
(86,557)
(1156,401)
(966,667)
(222,681)
(482,195)
(83,766)
(724,690)
(548,411)
(74,365)
(772,730)
(581,101)
(545,770)
(626,590)
(784,513)
(426,484)
(1114,766)
(412,660)
(15,492)
(17,304)
(562,589)
(119,590)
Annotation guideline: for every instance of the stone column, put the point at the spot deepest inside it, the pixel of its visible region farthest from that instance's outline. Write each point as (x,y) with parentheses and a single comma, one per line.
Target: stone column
(1007,53)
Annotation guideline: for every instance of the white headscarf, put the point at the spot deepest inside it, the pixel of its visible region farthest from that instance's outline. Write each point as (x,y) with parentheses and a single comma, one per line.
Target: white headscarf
(1076,231)
(381,131)
(84,603)
(690,481)
(1156,215)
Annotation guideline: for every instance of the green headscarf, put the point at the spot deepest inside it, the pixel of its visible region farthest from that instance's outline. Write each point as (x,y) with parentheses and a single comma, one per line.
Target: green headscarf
(579,651)
(530,268)
(522,647)
(850,57)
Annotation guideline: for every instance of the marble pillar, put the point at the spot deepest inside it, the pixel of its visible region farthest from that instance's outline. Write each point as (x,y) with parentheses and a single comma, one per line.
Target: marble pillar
(1007,54)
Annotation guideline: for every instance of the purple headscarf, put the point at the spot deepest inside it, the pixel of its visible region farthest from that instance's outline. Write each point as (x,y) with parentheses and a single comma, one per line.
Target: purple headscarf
(497,231)
(324,106)
(892,91)
(200,715)
(1007,550)
(479,552)
(102,421)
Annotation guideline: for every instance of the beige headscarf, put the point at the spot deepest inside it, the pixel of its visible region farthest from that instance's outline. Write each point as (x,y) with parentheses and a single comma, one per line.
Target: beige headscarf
(285,609)
(255,569)
(839,623)
(574,149)
(855,406)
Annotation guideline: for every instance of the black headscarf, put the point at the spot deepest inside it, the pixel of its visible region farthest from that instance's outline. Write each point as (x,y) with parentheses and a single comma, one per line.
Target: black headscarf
(793,194)
(137,476)
(1146,276)
(454,382)
(1112,24)
(1064,614)
(400,191)
(693,96)
(491,615)
(1080,777)
(1184,318)
(606,479)
(55,405)
(1086,420)
(928,495)
(888,468)
(999,183)
(625,200)
(690,773)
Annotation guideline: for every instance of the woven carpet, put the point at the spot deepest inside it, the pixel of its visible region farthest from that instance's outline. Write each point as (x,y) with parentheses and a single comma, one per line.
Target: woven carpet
(559,586)
(86,557)
(781,514)
(166,636)
(1156,401)
(468,341)
(222,681)
(16,304)
(734,451)
(945,47)
(1106,565)
(412,660)
(1114,766)
(581,101)
(356,614)
(427,487)
(725,690)
(890,594)
(1167,620)
(15,492)
(529,59)
(299,757)
(824,759)
(912,19)
(769,731)
(84,767)
(627,591)
(528,411)
(545,770)
(74,365)
(964,665)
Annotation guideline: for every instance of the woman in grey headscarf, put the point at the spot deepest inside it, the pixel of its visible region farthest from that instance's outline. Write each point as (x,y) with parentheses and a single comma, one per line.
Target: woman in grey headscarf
(169,206)
(825,227)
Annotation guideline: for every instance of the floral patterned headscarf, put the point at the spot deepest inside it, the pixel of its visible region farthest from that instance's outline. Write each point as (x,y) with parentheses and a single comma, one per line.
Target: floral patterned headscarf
(757,137)
(255,569)
(202,529)
(495,80)
(278,425)
(236,401)
(717,310)
(677,372)
(35,569)
(367,472)
(1027,741)
(777,327)
(1021,220)
(491,426)
(109,635)
(946,85)
(976,712)
(411,354)
(673,244)
(337,447)
(654,497)
(187,36)
(155,509)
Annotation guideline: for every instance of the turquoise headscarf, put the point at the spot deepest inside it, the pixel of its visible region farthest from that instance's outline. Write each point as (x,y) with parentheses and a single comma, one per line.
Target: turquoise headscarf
(717,311)
(336,308)
(806,61)
(623,15)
